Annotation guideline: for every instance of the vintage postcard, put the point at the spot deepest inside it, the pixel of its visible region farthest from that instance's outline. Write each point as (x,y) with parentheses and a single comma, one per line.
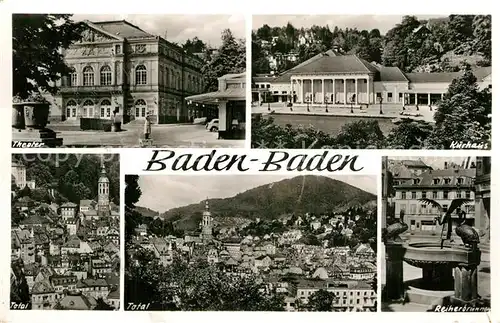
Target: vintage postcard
(378,82)
(65,232)
(128,81)
(251,243)
(436,234)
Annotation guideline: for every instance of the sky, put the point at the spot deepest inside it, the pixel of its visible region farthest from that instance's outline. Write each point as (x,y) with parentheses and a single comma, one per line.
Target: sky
(436,162)
(179,28)
(368,22)
(161,193)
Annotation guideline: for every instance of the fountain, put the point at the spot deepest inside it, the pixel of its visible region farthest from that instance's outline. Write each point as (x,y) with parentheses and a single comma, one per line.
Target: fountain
(449,271)
(30,118)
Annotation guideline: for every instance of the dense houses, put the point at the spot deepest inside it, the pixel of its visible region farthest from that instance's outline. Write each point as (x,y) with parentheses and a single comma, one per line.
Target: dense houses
(285,263)
(69,254)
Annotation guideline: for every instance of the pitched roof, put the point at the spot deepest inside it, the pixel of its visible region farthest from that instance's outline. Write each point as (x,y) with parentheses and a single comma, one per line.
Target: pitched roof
(35,219)
(122,28)
(42,287)
(391,74)
(68,204)
(337,64)
(76,302)
(448,77)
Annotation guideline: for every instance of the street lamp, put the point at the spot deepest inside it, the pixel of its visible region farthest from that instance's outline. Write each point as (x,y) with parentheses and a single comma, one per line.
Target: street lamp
(380,101)
(326,103)
(307,102)
(352,102)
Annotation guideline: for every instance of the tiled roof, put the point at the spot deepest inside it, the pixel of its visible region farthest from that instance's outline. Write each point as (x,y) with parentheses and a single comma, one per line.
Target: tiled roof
(480,74)
(42,287)
(391,74)
(122,28)
(414,163)
(89,282)
(263,79)
(68,204)
(337,64)
(76,302)
(35,219)
(86,203)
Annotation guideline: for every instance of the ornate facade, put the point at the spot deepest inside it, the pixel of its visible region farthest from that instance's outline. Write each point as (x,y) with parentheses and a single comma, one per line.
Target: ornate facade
(120,69)
(330,78)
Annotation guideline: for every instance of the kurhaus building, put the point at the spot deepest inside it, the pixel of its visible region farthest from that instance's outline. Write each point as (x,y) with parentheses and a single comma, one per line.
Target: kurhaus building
(119,68)
(347,79)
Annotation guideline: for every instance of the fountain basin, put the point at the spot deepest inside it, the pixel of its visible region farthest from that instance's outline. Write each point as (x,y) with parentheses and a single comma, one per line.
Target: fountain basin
(424,254)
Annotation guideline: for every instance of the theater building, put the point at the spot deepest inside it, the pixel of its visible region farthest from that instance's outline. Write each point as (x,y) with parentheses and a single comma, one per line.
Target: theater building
(348,79)
(119,68)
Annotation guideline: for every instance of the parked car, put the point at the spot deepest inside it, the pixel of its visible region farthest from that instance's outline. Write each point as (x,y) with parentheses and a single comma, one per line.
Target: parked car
(213,125)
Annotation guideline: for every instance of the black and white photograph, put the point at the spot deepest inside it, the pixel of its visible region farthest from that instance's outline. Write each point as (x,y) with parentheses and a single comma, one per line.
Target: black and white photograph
(436,234)
(65,232)
(377,81)
(128,80)
(251,243)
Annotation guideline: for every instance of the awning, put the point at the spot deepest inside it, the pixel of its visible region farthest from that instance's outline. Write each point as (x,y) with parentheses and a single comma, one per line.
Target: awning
(230,94)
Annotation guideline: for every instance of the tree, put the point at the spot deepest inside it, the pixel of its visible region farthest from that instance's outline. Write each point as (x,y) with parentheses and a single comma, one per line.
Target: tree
(409,134)
(482,35)
(361,135)
(19,290)
(103,306)
(40,173)
(321,301)
(132,190)
(264,33)
(463,113)
(195,45)
(37,61)
(230,58)
(25,191)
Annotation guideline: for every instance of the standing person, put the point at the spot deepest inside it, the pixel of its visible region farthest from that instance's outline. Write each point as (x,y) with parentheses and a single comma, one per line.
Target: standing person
(147,127)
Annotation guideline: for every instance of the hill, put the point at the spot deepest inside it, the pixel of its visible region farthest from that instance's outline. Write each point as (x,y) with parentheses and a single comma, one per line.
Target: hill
(301,194)
(144,211)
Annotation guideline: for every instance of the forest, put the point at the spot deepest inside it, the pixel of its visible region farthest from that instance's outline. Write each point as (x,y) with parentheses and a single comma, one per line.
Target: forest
(72,177)
(413,45)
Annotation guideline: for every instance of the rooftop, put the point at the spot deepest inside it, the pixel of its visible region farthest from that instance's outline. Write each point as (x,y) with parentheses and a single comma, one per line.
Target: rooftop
(122,28)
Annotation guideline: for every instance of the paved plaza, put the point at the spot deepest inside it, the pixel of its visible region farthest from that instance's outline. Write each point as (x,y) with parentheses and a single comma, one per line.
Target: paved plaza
(165,135)
(390,111)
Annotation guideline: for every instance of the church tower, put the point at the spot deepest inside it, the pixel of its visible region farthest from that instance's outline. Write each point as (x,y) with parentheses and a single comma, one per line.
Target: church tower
(206,224)
(103,193)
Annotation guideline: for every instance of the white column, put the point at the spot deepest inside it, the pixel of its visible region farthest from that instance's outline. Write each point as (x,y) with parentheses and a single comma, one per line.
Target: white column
(311,98)
(291,90)
(222,116)
(356,90)
(322,91)
(334,92)
(345,91)
(442,96)
(428,98)
(416,98)
(368,90)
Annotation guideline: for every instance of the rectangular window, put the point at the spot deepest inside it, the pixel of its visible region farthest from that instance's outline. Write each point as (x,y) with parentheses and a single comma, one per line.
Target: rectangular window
(74,79)
(84,112)
(403,195)
(413,195)
(379,95)
(467,194)
(102,112)
(389,97)
(424,195)
(445,194)
(108,112)
(445,207)
(143,112)
(118,49)
(434,195)
(400,97)
(413,208)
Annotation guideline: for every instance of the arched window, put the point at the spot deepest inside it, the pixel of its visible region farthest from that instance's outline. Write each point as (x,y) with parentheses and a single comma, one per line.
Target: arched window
(140,75)
(73,78)
(71,109)
(106,75)
(88,76)
(105,108)
(88,109)
(140,108)
(167,75)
